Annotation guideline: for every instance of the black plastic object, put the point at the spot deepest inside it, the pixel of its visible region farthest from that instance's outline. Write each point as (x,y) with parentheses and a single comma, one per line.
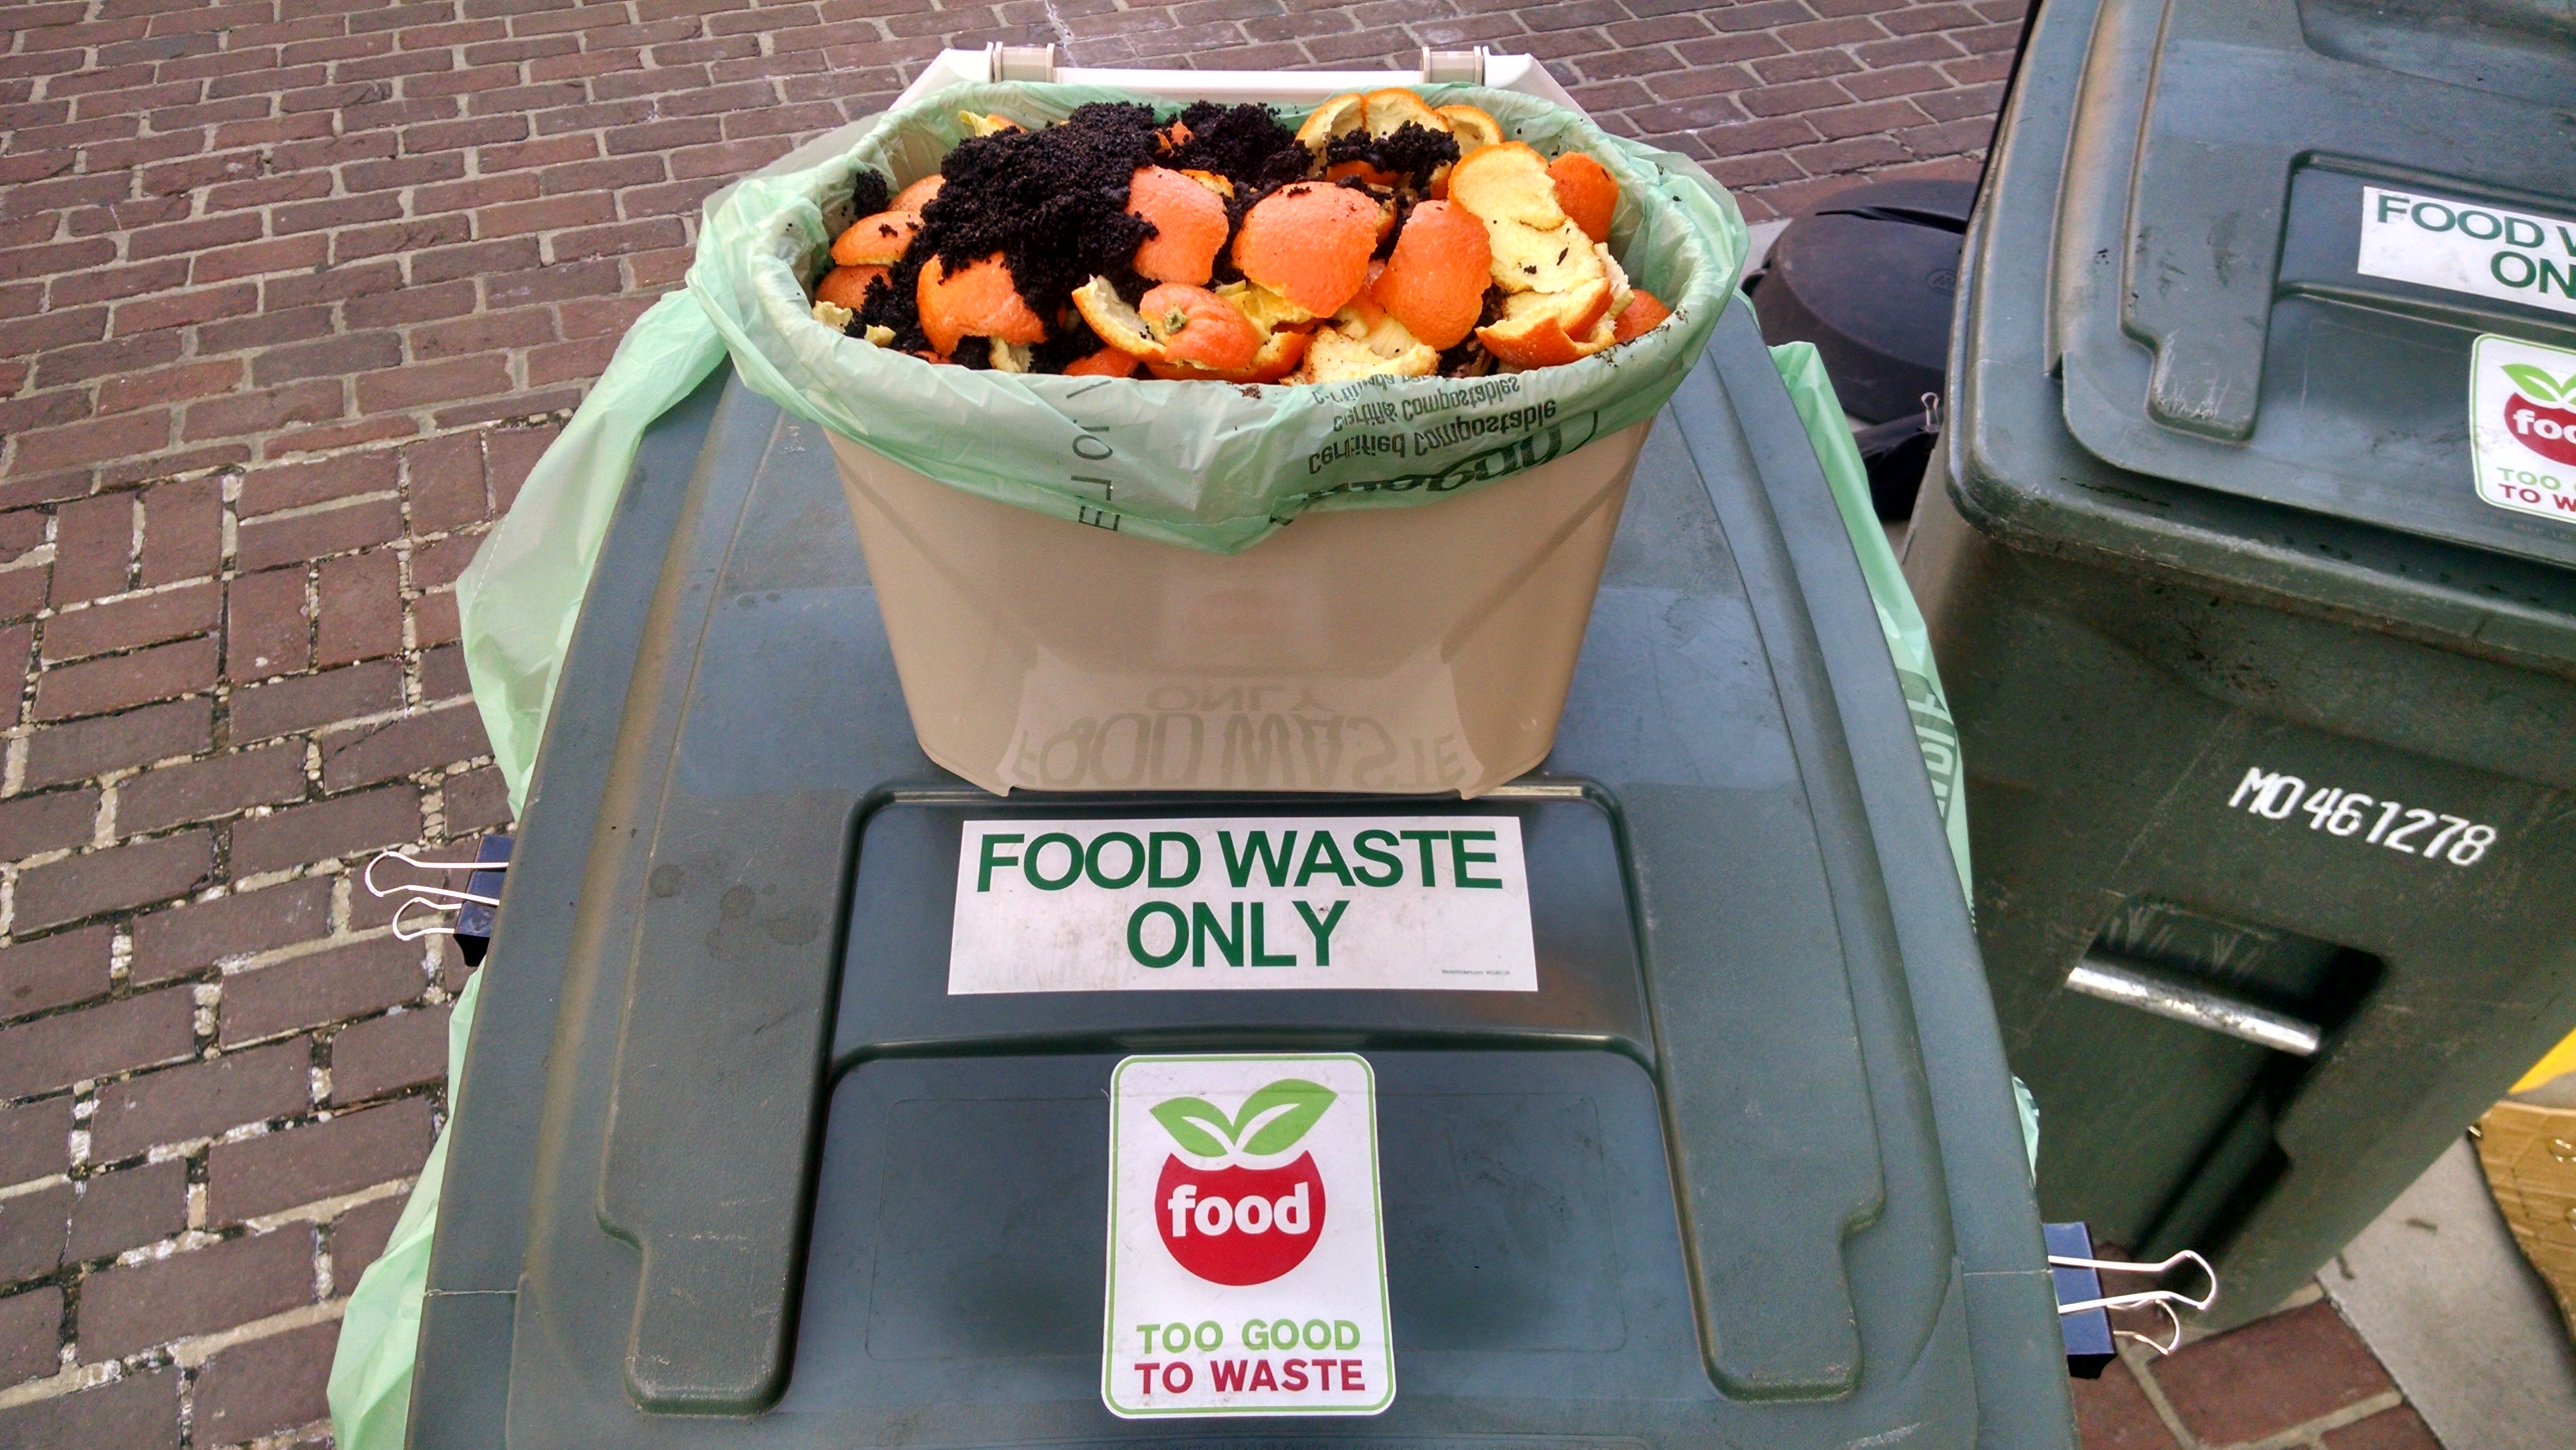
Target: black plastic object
(1869,277)
(1894,454)
(474,921)
(730,1167)
(2087,1332)
(2228,632)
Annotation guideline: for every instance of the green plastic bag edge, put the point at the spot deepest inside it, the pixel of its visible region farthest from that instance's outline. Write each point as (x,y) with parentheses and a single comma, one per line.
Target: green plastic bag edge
(371,1369)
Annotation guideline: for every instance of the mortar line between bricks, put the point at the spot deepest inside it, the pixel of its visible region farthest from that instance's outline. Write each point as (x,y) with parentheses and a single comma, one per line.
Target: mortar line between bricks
(2312,1432)
(2140,1361)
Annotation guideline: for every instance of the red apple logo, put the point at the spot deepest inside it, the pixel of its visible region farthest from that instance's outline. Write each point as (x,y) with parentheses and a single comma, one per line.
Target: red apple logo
(2530,418)
(1237,1225)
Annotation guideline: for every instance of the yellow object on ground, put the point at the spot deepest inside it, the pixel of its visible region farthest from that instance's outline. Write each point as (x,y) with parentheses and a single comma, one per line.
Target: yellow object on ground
(2527,1145)
(2560,1061)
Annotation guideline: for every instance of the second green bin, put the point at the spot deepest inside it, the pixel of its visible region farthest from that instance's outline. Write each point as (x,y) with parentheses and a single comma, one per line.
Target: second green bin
(2268,710)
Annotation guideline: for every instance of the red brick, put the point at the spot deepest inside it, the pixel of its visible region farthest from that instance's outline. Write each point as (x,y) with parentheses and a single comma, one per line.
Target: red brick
(253,1176)
(54,821)
(617,240)
(59,753)
(301,703)
(54,1052)
(35,1141)
(358,1238)
(135,1306)
(574,361)
(266,1385)
(107,283)
(2395,1429)
(229,928)
(182,531)
(169,385)
(485,332)
(91,540)
(295,485)
(32,1227)
(508,455)
(253,259)
(133,622)
(262,543)
(266,630)
(242,415)
(75,445)
(112,879)
(342,826)
(53,970)
(31,1327)
(476,801)
(385,1054)
(201,1099)
(118,681)
(445,481)
(99,359)
(184,309)
(198,790)
(138,1411)
(443,675)
(326,986)
(360,608)
(128,1209)
(2112,1413)
(2270,1375)
(412,387)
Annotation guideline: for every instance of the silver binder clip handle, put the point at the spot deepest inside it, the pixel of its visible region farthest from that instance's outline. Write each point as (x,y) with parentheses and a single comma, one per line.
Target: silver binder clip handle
(437,893)
(422,930)
(1932,413)
(2160,1299)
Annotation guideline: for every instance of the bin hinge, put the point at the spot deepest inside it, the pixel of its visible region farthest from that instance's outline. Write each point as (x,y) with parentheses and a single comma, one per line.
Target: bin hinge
(2116,979)
(1020,62)
(1441,67)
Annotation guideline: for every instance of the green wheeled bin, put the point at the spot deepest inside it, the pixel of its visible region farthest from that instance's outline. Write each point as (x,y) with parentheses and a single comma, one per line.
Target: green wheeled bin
(2250,563)
(764,1140)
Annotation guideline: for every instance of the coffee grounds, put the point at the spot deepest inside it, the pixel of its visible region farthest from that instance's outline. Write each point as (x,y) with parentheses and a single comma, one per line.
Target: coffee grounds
(1053,202)
(1245,144)
(1410,154)
(869,194)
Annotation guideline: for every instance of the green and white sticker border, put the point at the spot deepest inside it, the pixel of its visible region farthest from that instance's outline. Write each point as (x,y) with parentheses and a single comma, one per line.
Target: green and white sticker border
(1377,1206)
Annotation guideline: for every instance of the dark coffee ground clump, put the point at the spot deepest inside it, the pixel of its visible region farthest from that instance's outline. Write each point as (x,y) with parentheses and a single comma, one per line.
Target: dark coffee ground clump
(869,193)
(1411,154)
(1245,144)
(1053,202)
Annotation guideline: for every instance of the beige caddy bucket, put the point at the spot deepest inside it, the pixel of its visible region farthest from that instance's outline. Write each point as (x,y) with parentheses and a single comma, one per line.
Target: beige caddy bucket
(1398,651)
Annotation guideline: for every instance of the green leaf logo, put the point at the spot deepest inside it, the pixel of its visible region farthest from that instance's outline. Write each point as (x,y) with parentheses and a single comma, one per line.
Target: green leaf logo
(1272,1120)
(2539,386)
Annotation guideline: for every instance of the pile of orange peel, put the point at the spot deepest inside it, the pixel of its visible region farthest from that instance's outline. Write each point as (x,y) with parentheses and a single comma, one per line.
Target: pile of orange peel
(1351,272)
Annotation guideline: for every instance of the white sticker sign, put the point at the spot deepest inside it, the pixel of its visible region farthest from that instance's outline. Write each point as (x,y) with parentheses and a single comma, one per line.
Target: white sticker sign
(1416,903)
(1247,1259)
(2522,425)
(2462,246)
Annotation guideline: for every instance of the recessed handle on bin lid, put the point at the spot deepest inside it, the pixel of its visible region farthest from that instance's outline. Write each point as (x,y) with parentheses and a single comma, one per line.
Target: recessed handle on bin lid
(2116,979)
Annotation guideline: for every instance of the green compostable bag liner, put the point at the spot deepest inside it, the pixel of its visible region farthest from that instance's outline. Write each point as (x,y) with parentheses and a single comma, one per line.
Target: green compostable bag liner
(370,1389)
(1202,465)
(1909,644)
(517,601)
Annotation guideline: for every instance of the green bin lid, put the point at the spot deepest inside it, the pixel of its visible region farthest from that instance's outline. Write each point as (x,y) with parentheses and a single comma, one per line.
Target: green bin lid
(2216,317)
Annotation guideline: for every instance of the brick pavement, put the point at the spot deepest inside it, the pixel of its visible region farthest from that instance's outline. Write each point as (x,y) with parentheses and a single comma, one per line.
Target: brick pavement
(292,294)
